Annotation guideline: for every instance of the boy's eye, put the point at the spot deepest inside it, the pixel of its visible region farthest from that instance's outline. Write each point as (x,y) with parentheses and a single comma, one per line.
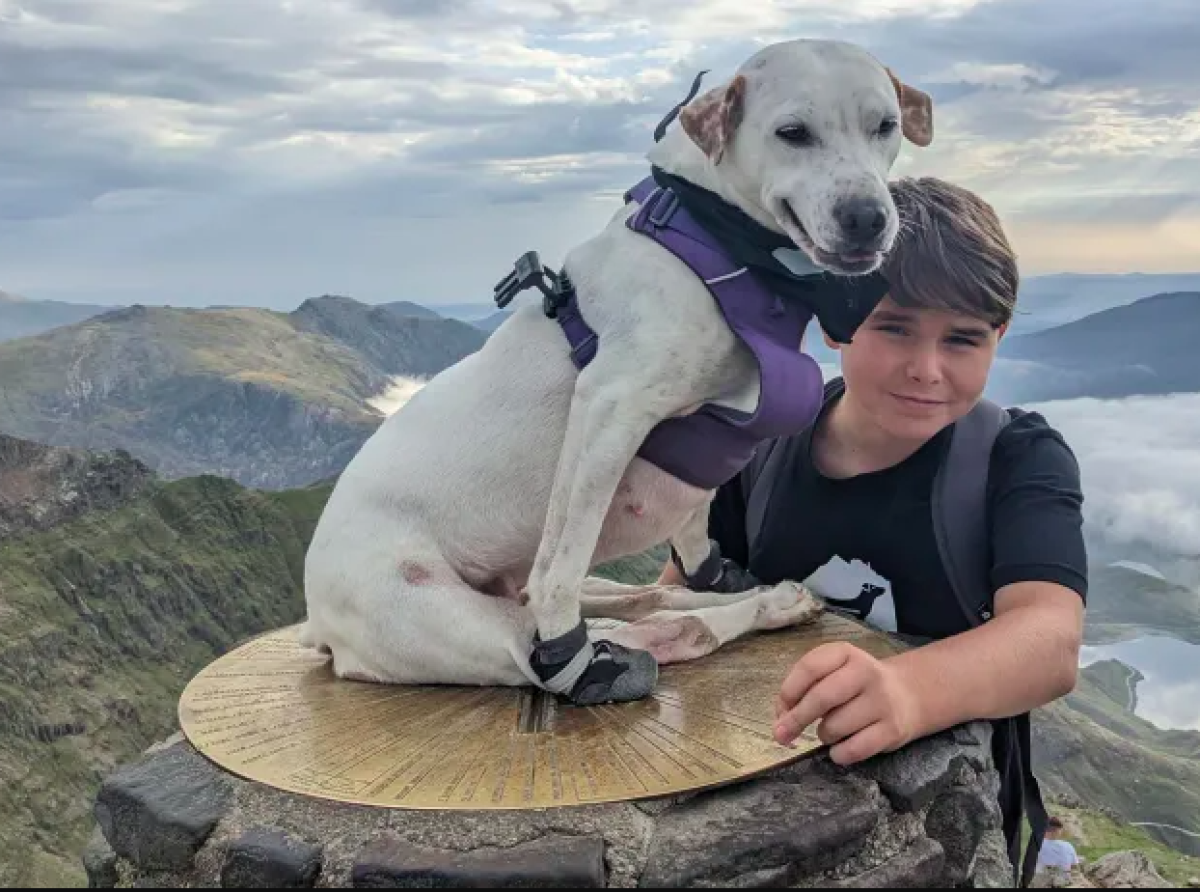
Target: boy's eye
(892,329)
(961,341)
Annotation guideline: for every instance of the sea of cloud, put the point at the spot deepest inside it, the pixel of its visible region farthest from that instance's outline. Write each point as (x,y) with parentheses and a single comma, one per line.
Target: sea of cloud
(1140,461)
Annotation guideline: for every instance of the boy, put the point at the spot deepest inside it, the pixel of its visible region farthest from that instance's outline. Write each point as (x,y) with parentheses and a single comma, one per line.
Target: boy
(848,510)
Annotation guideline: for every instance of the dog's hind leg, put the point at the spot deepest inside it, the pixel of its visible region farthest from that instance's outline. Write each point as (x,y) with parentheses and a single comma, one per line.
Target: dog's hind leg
(419,623)
(674,636)
(602,598)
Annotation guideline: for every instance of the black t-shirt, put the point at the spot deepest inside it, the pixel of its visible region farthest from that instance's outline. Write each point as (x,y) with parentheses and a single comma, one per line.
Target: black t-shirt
(871,537)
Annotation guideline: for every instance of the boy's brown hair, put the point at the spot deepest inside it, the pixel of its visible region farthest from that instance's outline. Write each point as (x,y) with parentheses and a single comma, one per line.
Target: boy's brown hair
(951,254)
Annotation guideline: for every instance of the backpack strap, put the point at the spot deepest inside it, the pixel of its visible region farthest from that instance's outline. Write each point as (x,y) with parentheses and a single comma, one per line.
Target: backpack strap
(960,522)
(960,517)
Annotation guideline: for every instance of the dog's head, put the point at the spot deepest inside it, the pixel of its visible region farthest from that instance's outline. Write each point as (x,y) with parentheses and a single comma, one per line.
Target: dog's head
(809,130)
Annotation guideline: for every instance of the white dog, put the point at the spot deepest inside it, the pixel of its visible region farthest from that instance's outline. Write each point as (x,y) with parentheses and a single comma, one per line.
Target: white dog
(456,546)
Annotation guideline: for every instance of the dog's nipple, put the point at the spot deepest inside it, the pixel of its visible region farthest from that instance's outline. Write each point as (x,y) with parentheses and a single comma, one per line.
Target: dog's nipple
(415,573)
(637,509)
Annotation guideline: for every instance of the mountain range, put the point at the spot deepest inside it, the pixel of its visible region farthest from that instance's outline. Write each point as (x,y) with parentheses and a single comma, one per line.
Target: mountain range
(1144,347)
(279,400)
(21,318)
(1053,300)
(1044,302)
(117,586)
(269,399)
(1124,602)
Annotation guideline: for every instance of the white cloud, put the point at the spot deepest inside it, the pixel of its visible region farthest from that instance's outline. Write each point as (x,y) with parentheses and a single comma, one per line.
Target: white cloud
(1140,466)
(402,389)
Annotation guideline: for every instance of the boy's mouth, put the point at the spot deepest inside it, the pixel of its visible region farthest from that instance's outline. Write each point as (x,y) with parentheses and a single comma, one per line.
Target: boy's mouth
(925,402)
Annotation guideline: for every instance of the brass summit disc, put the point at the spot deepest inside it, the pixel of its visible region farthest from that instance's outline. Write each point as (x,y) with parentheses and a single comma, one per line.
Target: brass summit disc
(273,712)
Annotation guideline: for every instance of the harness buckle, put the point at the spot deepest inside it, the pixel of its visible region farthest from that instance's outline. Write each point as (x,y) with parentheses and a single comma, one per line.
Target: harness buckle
(528,272)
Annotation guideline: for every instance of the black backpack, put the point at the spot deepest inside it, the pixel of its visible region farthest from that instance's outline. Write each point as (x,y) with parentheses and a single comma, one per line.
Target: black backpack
(961,527)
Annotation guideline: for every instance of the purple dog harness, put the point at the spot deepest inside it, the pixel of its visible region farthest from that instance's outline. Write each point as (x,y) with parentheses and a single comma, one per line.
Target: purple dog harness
(713,444)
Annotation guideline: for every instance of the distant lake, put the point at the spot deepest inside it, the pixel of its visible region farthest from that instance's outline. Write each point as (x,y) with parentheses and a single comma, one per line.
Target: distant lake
(1170,695)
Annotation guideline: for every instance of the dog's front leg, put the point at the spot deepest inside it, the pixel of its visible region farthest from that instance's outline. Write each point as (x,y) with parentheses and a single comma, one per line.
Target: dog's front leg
(609,419)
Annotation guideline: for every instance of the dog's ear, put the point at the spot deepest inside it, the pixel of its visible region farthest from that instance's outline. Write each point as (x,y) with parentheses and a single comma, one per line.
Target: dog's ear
(713,118)
(916,112)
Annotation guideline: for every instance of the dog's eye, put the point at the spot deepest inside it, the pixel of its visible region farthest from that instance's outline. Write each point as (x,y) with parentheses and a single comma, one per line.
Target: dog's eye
(795,134)
(888,127)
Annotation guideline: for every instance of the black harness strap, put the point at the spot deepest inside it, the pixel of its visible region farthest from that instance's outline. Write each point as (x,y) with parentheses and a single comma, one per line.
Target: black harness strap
(661,130)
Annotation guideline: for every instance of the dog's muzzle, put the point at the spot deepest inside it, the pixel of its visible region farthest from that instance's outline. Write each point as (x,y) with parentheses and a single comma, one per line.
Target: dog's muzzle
(590,673)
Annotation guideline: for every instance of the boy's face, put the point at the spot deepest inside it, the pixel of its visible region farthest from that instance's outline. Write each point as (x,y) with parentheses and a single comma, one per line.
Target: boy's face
(916,371)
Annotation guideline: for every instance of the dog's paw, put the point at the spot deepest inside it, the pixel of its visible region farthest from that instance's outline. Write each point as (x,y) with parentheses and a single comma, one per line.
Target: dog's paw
(588,673)
(787,604)
(616,674)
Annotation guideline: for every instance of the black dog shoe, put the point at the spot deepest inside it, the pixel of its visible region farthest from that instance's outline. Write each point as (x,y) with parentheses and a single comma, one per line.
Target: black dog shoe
(590,673)
(716,574)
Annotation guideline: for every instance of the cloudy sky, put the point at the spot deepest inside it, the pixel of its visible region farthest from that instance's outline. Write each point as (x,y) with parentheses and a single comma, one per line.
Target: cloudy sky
(261,151)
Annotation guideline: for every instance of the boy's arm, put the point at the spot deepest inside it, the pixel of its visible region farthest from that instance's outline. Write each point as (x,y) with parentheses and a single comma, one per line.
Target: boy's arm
(1025,657)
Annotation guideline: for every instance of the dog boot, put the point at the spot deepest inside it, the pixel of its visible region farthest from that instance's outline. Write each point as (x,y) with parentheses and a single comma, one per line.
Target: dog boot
(590,673)
(716,574)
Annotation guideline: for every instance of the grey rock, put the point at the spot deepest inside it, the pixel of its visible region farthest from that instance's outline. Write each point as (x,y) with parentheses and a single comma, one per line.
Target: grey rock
(266,858)
(44,486)
(761,826)
(914,777)
(1125,870)
(49,732)
(391,862)
(100,863)
(992,868)
(807,824)
(159,811)
(959,820)
(917,867)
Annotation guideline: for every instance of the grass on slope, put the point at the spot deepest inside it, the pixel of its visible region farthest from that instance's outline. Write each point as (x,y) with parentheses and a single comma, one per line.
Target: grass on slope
(105,620)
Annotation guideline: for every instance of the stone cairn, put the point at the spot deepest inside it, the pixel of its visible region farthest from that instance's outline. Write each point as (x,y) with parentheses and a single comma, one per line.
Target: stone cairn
(925,816)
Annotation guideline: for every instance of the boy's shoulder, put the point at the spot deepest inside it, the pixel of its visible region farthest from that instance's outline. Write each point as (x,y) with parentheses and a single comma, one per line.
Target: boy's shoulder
(1030,431)
(1030,447)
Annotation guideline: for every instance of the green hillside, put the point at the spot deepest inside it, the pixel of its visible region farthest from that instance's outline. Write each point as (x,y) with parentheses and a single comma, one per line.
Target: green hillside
(104,620)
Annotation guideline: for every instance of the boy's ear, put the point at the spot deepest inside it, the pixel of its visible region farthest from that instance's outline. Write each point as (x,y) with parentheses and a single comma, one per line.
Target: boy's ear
(830,342)
(1001,330)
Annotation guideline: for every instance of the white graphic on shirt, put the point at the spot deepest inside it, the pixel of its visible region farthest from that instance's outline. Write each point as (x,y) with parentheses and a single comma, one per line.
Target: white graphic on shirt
(856,588)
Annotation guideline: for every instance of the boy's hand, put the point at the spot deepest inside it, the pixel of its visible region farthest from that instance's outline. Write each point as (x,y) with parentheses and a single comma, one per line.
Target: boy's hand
(866,706)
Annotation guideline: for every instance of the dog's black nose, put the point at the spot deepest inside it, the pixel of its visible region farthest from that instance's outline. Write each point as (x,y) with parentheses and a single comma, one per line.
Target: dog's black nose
(862,220)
